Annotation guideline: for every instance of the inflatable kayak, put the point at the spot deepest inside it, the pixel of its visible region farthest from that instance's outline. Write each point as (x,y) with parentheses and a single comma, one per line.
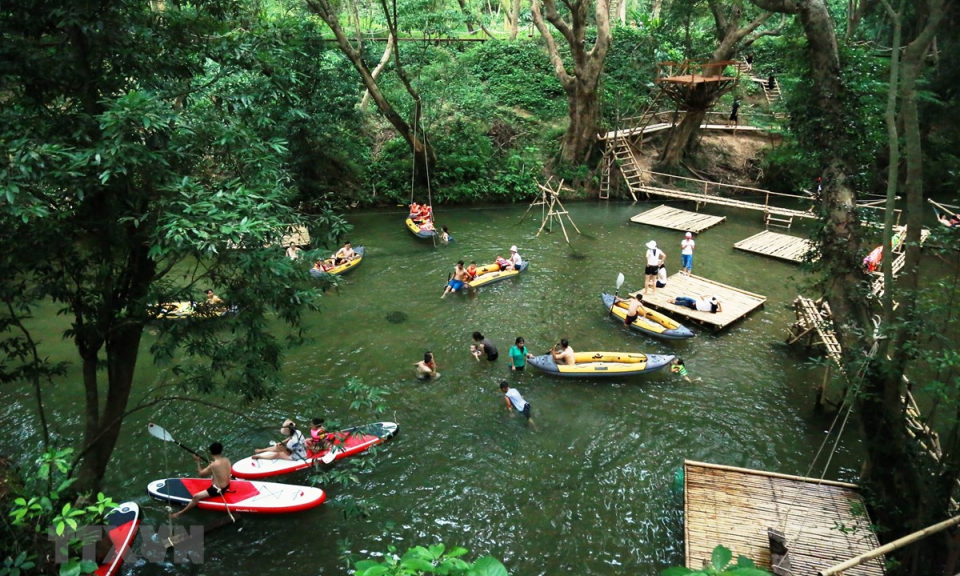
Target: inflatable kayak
(345,267)
(603,364)
(344,443)
(241,495)
(419,232)
(653,324)
(122,523)
(190,309)
(491,273)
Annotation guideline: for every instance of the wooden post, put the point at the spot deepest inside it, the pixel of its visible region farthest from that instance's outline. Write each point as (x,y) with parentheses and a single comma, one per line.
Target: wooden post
(822,396)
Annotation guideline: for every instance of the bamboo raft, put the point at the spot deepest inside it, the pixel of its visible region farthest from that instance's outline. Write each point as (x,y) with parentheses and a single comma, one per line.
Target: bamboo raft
(776,245)
(676,219)
(735,507)
(736,303)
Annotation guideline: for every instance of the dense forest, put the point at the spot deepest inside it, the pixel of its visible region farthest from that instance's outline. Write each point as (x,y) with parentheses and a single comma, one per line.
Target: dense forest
(142,139)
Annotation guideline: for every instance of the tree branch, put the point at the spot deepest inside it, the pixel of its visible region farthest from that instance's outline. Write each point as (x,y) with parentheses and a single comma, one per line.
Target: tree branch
(555,58)
(779,6)
(772,32)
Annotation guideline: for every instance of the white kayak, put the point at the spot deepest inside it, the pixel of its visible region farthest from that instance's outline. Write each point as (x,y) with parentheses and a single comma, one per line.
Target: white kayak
(342,444)
(241,495)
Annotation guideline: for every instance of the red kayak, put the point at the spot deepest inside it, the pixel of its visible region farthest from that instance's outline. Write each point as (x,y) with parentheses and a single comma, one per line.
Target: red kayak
(122,522)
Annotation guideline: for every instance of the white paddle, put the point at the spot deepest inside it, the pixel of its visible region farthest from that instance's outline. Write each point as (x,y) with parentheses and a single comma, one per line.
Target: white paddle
(619,283)
(158,432)
(330,456)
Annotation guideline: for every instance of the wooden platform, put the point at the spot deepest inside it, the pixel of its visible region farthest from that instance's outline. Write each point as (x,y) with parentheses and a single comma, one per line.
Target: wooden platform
(736,303)
(775,245)
(735,506)
(676,219)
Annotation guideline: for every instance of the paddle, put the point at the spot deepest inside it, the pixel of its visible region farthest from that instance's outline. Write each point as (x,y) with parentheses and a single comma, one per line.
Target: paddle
(158,432)
(617,293)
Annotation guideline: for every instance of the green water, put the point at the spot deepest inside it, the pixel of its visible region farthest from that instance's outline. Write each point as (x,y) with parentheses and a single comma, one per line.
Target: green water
(589,491)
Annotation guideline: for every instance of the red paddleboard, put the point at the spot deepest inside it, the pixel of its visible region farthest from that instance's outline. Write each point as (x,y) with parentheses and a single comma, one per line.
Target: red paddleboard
(343,444)
(241,495)
(122,522)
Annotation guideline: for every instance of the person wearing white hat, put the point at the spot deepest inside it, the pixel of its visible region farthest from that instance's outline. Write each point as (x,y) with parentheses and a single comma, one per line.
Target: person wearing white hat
(515,258)
(655,257)
(686,253)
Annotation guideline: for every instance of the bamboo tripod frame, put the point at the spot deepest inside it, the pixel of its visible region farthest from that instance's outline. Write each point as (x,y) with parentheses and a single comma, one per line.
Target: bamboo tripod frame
(551,207)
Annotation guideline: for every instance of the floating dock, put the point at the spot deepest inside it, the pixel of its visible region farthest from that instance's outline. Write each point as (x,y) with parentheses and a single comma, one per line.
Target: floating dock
(735,507)
(736,303)
(664,216)
(775,245)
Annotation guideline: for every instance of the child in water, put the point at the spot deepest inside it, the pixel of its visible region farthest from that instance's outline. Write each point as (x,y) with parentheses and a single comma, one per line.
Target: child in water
(678,367)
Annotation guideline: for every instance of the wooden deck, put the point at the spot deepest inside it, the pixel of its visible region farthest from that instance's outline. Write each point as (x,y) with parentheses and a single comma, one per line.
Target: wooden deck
(736,303)
(676,219)
(735,507)
(659,126)
(775,245)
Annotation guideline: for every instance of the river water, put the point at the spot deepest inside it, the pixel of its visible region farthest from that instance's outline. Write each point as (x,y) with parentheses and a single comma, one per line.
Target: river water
(589,490)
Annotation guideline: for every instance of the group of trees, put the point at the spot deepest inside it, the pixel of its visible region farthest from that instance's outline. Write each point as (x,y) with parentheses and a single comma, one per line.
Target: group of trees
(154,149)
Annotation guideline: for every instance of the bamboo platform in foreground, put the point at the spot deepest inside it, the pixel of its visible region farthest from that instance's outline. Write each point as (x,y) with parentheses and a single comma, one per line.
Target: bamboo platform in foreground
(676,219)
(736,303)
(735,507)
(775,245)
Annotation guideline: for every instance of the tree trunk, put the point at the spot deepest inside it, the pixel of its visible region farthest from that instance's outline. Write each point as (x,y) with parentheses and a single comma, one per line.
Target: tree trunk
(683,140)
(581,85)
(422,151)
(469,20)
(623,12)
(655,9)
(101,435)
(514,18)
(581,135)
(376,71)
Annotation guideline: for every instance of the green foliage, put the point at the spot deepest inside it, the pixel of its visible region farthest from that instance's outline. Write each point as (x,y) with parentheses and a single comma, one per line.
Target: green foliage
(720,565)
(433,559)
(45,502)
(519,74)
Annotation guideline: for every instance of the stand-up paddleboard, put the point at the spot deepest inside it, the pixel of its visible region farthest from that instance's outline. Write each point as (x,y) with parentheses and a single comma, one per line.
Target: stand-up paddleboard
(343,443)
(122,523)
(241,495)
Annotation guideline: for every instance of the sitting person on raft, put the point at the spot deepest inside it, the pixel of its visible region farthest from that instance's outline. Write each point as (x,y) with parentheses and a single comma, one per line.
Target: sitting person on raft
(319,438)
(563,354)
(427,225)
(634,308)
(503,263)
(321,266)
(293,447)
(706,303)
(344,254)
(515,260)
(472,270)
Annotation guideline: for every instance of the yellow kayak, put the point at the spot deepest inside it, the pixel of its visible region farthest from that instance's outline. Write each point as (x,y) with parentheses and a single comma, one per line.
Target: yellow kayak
(188,309)
(654,323)
(490,273)
(419,232)
(590,364)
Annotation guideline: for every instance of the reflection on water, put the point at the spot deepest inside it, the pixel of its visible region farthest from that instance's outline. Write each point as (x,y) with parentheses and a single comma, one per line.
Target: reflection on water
(590,491)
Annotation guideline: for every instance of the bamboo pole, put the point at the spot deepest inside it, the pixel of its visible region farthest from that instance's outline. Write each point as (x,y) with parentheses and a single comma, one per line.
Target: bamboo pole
(724,468)
(895,545)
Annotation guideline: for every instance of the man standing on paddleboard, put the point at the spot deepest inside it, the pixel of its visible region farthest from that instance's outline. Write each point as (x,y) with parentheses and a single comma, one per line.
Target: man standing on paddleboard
(219,469)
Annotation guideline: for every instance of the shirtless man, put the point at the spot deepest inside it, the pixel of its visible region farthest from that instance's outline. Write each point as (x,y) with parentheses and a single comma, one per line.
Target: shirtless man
(344,254)
(213,299)
(218,469)
(634,308)
(458,281)
(564,355)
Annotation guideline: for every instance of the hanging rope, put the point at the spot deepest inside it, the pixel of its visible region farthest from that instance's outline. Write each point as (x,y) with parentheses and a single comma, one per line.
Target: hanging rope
(861,375)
